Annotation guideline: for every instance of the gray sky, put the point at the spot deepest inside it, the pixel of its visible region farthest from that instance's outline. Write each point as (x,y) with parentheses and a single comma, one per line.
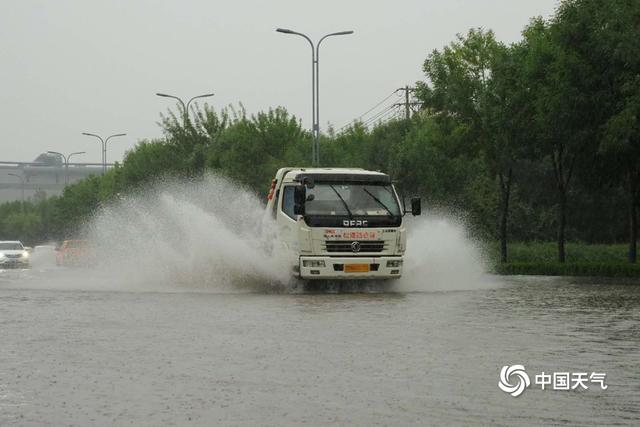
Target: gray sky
(69,66)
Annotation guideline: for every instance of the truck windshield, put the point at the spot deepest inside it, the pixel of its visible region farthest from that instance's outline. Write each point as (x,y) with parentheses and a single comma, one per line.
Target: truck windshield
(353,199)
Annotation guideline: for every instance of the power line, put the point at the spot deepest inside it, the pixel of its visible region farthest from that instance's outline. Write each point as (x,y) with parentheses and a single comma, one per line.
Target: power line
(392,115)
(360,118)
(378,104)
(385,108)
(409,104)
(381,115)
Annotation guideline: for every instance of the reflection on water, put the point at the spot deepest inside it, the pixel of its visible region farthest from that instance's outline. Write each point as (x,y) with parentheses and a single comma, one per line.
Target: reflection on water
(85,357)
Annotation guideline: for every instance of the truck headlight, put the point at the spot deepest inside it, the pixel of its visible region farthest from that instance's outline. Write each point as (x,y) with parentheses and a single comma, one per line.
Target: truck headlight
(313,263)
(395,263)
(1,255)
(402,241)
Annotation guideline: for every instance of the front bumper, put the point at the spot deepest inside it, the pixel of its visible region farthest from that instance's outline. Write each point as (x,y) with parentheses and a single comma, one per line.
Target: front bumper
(335,268)
(14,263)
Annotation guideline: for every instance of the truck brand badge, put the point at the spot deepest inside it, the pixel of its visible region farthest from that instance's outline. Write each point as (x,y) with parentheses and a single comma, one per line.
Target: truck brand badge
(355,246)
(355,223)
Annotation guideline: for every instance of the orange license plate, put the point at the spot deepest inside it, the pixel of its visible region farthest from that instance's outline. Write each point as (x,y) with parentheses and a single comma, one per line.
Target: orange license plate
(356,268)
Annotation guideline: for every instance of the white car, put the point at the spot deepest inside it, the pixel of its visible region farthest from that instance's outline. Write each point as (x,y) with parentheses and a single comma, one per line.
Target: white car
(13,254)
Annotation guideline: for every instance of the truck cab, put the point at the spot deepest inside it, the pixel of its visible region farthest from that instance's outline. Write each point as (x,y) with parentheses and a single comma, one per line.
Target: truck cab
(338,223)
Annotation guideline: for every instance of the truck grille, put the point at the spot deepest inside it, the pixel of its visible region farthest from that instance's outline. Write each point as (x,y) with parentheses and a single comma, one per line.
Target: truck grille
(354,246)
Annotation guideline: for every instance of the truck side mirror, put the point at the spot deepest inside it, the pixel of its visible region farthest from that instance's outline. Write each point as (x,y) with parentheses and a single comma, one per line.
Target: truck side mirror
(416,206)
(308,182)
(299,199)
(300,195)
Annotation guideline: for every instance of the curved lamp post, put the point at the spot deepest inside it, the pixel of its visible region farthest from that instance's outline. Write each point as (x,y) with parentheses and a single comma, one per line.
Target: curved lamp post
(104,146)
(185,107)
(67,159)
(315,86)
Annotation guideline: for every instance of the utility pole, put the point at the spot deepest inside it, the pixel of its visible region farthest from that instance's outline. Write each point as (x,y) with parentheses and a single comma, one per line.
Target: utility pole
(408,103)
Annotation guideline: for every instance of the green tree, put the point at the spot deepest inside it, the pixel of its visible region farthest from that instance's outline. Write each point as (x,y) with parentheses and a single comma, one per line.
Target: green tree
(191,140)
(583,67)
(622,146)
(349,148)
(610,46)
(149,160)
(474,82)
(77,203)
(561,130)
(251,149)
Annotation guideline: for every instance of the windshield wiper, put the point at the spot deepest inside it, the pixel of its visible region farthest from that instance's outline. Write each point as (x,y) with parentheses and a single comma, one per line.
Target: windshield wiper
(379,202)
(342,200)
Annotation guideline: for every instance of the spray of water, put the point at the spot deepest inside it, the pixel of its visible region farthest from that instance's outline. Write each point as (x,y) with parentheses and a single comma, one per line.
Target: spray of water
(442,256)
(197,235)
(209,235)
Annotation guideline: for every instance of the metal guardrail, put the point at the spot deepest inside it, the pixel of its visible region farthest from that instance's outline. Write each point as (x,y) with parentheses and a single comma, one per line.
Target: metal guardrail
(56,166)
(32,186)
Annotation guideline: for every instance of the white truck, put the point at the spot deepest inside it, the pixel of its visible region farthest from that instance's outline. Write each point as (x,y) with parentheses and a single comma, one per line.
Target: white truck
(337,223)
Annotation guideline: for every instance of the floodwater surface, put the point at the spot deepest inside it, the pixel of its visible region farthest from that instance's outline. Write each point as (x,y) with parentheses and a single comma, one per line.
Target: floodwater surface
(77,355)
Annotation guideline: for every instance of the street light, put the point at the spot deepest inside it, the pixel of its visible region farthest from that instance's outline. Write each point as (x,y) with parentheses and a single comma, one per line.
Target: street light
(104,147)
(22,181)
(315,86)
(185,107)
(67,159)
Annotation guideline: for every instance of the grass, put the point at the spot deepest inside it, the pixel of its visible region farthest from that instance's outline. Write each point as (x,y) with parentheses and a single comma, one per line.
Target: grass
(570,269)
(541,258)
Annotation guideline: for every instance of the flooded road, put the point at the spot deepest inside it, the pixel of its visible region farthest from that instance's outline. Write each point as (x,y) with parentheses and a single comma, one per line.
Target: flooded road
(80,356)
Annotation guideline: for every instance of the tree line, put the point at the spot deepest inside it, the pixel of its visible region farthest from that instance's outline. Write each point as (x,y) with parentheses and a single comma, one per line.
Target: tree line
(531,141)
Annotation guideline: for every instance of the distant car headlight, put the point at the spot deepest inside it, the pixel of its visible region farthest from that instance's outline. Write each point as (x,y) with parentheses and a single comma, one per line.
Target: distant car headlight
(25,254)
(1,255)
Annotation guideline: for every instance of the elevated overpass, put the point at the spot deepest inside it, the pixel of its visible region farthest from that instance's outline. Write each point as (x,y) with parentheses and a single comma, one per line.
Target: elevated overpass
(38,176)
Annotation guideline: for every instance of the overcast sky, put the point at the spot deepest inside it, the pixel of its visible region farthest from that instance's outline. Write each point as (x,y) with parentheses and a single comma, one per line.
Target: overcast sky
(69,66)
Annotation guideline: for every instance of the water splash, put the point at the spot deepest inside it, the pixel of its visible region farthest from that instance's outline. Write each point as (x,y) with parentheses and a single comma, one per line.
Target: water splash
(442,256)
(203,234)
(208,235)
